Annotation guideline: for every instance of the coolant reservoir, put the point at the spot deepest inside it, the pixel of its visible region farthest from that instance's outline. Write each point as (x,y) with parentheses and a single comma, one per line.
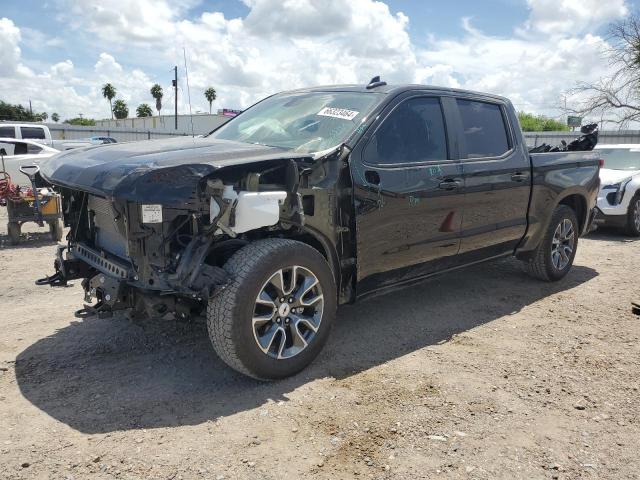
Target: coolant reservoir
(227,194)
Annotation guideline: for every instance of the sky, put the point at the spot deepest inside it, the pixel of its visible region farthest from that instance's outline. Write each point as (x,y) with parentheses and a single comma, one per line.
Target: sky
(59,53)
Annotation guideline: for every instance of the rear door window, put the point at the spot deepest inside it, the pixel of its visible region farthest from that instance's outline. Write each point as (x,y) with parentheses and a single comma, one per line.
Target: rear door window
(7,132)
(33,149)
(413,132)
(485,131)
(36,133)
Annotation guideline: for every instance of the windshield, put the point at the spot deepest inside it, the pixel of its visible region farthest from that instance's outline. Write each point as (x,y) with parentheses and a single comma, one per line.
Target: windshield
(303,122)
(620,158)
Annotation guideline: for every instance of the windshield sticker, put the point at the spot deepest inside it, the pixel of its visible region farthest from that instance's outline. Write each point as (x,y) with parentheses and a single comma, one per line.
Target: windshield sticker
(341,113)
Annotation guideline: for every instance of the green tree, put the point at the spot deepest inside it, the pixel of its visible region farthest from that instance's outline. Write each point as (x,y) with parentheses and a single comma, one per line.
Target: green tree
(120,109)
(55,117)
(210,95)
(144,110)
(84,122)
(44,116)
(539,123)
(15,112)
(109,92)
(156,92)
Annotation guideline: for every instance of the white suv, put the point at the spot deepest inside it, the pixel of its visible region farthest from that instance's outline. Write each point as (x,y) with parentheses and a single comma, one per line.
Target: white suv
(27,131)
(619,196)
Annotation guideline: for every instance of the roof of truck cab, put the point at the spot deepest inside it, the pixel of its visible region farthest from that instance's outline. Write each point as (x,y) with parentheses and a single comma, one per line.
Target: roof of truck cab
(395,89)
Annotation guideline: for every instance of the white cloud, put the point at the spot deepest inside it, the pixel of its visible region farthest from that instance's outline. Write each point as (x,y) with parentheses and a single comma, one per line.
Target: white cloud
(284,44)
(58,88)
(107,65)
(553,17)
(9,49)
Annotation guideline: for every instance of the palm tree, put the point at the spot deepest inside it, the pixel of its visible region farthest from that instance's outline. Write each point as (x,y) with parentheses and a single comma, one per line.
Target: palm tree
(210,94)
(109,92)
(55,117)
(120,109)
(144,110)
(156,92)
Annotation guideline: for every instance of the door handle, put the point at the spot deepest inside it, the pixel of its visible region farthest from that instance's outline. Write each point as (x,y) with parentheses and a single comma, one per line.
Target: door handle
(372,177)
(519,177)
(449,184)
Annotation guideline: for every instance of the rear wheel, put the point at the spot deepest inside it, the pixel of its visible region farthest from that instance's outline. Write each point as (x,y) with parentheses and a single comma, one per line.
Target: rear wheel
(275,316)
(13,229)
(633,217)
(553,258)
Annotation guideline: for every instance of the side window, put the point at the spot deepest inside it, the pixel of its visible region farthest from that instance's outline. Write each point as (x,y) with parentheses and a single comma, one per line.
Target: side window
(413,132)
(485,132)
(32,133)
(7,132)
(31,148)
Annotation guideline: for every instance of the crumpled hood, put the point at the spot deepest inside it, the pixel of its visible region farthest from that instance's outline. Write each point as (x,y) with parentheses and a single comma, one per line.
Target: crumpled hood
(154,170)
(610,177)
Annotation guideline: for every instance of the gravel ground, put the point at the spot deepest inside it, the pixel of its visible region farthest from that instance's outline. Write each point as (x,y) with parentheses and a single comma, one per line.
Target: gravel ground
(482,373)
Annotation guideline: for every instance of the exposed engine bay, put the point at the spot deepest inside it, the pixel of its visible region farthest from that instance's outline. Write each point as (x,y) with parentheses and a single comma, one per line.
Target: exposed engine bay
(157,257)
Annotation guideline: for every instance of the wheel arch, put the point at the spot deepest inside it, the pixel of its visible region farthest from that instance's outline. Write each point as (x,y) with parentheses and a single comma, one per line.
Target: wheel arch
(578,203)
(306,235)
(542,210)
(323,245)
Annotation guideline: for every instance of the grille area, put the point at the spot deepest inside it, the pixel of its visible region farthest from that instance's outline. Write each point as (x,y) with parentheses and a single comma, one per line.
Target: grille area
(107,235)
(101,263)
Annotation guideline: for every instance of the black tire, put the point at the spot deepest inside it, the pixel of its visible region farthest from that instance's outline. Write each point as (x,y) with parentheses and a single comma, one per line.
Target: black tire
(633,214)
(230,313)
(541,264)
(55,228)
(13,229)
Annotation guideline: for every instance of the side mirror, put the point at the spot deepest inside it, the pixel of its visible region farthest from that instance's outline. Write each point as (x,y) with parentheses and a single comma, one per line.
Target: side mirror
(3,152)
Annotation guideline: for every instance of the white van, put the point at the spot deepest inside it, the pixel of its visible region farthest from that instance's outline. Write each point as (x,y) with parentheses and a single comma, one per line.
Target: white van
(27,131)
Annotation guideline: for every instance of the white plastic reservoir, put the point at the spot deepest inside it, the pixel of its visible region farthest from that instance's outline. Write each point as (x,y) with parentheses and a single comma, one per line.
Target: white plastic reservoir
(257,209)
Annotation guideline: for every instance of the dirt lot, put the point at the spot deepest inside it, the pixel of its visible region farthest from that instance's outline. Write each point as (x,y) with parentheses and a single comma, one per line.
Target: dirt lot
(484,373)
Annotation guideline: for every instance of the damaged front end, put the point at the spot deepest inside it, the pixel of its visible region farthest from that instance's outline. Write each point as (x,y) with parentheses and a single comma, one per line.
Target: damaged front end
(156,242)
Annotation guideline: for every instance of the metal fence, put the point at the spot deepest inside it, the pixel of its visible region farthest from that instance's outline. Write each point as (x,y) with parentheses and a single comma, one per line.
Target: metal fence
(61,131)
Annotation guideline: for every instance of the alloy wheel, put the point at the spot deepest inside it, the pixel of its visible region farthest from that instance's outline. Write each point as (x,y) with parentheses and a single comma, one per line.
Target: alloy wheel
(563,244)
(636,215)
(287,312)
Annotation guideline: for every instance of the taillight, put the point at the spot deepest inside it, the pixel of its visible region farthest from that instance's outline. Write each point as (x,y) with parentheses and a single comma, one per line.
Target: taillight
(601,162)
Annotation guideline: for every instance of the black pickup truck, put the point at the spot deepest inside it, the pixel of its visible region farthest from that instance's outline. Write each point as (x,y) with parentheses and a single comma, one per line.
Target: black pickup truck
(309,199)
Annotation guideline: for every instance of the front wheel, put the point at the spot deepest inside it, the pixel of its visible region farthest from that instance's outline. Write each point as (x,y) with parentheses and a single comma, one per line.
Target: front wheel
(633,217)
(553,257)
(275,316)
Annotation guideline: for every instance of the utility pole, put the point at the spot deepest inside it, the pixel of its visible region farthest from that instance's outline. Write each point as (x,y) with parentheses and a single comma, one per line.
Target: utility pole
(30,109)
(175,90)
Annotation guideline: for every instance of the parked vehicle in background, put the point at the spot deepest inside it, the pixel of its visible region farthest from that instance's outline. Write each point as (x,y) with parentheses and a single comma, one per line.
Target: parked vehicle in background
(82,142)
(619,196)
(21,153)
(26,131)
(100,140)
(310,199)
